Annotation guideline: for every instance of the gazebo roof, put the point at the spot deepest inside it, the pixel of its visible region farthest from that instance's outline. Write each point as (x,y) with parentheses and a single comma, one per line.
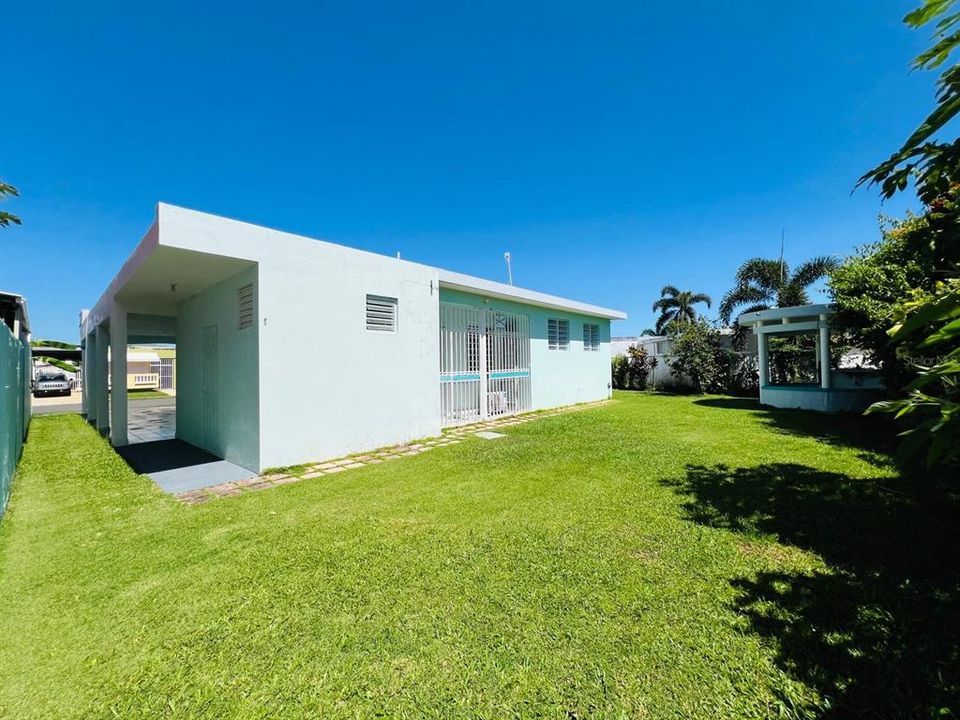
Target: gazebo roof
(798,313)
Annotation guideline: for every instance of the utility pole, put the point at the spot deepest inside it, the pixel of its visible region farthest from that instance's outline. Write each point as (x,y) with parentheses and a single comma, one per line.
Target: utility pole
(506,257)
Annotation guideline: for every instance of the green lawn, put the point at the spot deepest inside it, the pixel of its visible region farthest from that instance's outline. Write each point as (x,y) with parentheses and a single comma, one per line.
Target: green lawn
(146,394)
(656,557)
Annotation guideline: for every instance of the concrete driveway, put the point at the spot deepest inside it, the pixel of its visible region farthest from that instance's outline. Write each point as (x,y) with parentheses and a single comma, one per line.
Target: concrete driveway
(72,404)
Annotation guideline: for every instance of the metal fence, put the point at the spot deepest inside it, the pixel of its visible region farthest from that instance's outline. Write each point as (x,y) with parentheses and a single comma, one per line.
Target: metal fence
(15,369)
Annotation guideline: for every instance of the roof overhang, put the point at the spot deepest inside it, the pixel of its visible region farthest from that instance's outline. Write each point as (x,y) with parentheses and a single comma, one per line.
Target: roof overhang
(502,291)
(157,277)
(17,305)
(788,320)
(790,314)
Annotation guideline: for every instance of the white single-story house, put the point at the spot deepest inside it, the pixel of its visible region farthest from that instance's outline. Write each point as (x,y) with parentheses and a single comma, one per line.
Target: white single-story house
(291,349)
(836,389)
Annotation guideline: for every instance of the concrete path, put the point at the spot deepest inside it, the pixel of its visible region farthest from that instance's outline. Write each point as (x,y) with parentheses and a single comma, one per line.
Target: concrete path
(150,423)
(178,467)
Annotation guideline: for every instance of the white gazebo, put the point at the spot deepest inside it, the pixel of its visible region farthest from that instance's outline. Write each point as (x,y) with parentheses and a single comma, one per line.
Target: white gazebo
(835,390)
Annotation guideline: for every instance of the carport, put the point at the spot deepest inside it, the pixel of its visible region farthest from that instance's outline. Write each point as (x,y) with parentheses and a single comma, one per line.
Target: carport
(167,294)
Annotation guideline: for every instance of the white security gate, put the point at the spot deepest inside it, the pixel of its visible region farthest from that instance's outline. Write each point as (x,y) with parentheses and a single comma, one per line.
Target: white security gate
(484,363)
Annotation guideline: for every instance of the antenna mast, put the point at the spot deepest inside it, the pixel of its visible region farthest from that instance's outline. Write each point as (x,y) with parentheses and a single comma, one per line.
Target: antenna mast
(783,233)
(506,257)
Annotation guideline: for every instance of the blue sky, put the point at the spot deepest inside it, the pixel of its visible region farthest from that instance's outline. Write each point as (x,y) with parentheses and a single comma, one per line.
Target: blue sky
(610,147)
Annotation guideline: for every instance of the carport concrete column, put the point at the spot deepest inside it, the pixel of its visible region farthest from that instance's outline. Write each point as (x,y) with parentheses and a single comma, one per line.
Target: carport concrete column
(824,353)
(100,394)
(118,375)
(762,360)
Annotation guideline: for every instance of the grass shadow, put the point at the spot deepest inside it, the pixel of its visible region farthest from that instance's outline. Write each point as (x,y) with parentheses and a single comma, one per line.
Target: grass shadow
(873,436)
(875,634)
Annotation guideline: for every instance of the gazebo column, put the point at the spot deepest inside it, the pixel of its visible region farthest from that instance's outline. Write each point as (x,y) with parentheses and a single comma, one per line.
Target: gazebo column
(100,389)
(824,348)
(762,360)
(118,374)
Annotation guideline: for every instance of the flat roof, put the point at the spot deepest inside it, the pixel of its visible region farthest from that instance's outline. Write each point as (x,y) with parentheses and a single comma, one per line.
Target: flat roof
(789,313)
(469,283)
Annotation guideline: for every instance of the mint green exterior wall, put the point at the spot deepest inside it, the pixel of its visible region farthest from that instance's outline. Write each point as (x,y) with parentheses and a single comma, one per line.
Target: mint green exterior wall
(557,377)
(238,436)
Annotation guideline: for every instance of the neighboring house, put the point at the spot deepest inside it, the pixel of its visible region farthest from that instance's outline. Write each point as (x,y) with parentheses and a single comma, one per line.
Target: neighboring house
(386,350)
(151,368)
(14,386)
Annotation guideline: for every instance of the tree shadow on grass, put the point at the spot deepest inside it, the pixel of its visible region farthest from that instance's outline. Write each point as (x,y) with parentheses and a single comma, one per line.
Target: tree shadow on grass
(873,436)
(876,633)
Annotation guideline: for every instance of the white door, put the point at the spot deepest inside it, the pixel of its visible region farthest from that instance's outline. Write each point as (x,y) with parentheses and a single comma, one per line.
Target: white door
(209,392)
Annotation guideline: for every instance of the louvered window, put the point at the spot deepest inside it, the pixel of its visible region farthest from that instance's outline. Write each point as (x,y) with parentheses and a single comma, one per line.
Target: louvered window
(245,302)
(591,337)
(381,313)
(558,334)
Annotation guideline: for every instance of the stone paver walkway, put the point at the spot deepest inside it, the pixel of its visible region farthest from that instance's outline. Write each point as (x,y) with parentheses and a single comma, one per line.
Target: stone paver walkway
(451,436)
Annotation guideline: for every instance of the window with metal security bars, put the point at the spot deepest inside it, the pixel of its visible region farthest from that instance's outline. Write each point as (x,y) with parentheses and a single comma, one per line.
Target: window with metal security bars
(558,334)
(245,303)
(591,337)
(381,313)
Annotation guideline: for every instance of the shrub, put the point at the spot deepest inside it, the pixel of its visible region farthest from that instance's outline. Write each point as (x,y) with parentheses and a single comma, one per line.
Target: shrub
(697,358)
(630,371)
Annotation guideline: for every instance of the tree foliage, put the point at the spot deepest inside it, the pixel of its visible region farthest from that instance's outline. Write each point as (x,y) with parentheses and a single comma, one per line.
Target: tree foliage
(64,365)
(677,306)
(929,334)
(697,357)
(7,219)
(761,284)
(932,325)
(931,163)
(869,288)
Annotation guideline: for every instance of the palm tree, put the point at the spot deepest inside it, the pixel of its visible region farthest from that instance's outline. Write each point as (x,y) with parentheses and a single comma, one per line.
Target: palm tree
(676,306)
(7,218)
(762,284)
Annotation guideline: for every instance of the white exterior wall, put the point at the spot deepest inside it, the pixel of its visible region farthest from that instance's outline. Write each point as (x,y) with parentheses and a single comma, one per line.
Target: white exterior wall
(236,399)
(329,386)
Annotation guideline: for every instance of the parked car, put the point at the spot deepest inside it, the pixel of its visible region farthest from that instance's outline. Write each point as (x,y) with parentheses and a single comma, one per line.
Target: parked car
(51,385)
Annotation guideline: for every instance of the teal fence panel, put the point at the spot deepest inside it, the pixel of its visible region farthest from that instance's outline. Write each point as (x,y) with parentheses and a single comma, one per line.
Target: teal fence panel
(14,407)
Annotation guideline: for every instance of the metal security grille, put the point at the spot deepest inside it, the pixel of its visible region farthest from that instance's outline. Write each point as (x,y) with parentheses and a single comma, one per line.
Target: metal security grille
(484,363)
(164,368)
